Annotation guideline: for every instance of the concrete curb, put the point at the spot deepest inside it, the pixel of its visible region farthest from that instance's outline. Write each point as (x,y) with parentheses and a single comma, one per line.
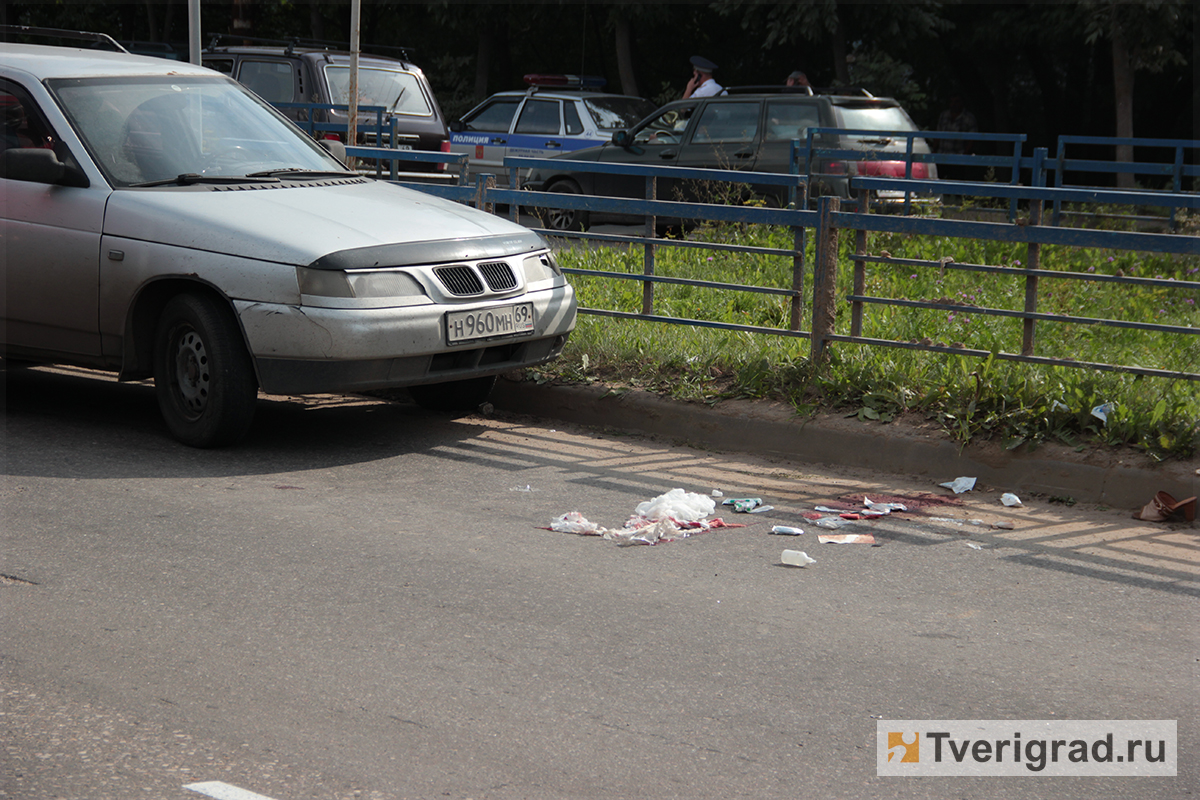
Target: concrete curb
(769,429)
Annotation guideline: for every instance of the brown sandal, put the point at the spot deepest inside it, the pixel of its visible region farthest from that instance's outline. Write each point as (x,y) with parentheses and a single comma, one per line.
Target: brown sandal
(1164,507)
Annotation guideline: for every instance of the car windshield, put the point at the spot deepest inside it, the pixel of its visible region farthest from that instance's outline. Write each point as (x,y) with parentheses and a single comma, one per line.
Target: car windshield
(874,118)
(146,129)
(398,92)
(614,113)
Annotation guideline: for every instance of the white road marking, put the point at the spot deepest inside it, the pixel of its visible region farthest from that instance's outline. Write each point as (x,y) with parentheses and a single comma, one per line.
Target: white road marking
(224,791)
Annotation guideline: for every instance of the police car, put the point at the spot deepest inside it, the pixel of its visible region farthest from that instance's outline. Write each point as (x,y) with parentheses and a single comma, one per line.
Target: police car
(556,114)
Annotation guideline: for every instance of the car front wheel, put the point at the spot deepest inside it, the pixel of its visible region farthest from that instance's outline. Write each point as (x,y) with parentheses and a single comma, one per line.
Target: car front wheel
(564,219)
(203,375)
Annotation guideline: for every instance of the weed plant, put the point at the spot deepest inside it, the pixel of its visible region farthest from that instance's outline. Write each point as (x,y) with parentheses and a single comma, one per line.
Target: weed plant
(971,398)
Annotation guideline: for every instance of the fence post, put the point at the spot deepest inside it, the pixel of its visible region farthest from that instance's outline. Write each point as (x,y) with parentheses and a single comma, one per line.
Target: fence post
(648,261)
(484,183)
(824,277)
(860,269)
(1031,281)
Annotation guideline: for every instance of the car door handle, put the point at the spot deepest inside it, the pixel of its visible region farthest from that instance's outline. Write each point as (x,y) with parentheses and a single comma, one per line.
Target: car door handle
(668,153)
(744,154)
(552,144)
(498,141)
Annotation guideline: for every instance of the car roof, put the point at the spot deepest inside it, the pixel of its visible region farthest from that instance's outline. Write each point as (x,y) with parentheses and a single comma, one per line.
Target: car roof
(561,94)
(311,52)
(48,61)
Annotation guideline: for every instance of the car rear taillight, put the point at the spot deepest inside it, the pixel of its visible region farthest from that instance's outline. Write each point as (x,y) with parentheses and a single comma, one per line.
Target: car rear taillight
(445,148)
(891,169)
(835,168)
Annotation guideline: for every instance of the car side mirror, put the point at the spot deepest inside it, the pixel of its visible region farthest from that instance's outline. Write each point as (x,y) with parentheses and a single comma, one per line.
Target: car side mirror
(39,165)
(622,138)
(457,125)
(335,148)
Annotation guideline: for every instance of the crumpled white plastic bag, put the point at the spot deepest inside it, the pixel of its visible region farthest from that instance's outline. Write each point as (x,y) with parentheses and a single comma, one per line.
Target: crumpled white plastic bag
(677,504)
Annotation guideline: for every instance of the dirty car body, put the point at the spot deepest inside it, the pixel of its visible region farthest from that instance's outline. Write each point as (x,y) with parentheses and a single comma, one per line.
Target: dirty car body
(160,220)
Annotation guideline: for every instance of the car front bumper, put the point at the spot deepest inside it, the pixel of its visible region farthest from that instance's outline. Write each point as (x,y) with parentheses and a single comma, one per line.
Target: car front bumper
(306,350)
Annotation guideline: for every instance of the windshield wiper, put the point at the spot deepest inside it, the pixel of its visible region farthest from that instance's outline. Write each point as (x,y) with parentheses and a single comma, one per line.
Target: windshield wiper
(297,172)
(189,178)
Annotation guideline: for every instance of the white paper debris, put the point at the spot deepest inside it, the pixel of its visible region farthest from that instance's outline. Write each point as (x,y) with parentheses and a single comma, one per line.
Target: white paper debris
(960,485)
(1009,499)
(796,558)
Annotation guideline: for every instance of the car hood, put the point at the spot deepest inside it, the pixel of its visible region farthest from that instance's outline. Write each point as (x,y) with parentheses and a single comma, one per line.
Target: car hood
(301,223)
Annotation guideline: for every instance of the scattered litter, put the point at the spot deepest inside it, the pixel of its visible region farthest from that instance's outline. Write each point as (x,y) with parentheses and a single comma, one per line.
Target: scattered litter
(1102,411)
(678,505)
(796,558)
(743,505)
(761,509)
(1058,405)
(974,546)
(1004,526)
(574,522)
(1009,499)
(960,485)
(957,521)
(883,508)
(525,488)
(833,522)
(784,530)
(828,510)
(717,493)
(845,538)
(674,515)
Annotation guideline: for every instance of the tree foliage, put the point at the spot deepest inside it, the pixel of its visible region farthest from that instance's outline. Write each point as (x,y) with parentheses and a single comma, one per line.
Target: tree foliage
(1039,68)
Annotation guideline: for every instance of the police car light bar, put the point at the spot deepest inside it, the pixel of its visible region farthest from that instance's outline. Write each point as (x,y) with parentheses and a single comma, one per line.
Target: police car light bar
(567,81)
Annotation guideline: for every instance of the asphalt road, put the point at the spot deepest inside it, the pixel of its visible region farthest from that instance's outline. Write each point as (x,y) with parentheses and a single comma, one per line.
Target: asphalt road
(360,602)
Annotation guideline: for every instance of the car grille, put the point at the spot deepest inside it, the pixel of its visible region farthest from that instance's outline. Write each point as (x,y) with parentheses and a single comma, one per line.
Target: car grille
(464,281)
(499,276)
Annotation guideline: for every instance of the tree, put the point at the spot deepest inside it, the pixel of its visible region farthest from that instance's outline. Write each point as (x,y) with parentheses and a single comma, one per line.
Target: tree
(1142,36)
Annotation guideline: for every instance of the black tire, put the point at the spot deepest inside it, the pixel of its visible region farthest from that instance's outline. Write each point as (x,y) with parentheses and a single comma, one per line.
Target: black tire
(453,397)
(203,376)
(564,219)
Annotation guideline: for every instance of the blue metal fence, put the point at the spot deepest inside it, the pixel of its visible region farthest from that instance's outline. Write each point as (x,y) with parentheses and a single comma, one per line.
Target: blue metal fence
(826,223)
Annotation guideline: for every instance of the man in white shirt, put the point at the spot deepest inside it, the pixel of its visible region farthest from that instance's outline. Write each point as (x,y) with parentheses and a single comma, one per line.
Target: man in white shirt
(702,83)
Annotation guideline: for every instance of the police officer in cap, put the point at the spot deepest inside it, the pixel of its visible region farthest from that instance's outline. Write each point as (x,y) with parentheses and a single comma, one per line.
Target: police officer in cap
(702,83)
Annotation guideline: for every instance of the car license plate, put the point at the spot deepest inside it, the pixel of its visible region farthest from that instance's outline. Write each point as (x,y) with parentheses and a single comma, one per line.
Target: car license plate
(486,323)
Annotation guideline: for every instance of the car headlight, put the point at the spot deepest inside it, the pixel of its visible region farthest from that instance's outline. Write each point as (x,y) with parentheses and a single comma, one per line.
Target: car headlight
(541,267)
(373,284)
(384,284)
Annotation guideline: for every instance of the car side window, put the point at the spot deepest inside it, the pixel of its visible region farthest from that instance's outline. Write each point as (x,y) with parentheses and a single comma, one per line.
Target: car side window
(727,122)
(23,123)
(665,128)
(787,121)
(495,117)
(574,125)
(273,81)
(222,65)
(540,116)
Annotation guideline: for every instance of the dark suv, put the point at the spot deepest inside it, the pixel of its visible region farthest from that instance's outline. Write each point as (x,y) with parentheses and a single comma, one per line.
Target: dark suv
(310,74)
(747,129)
